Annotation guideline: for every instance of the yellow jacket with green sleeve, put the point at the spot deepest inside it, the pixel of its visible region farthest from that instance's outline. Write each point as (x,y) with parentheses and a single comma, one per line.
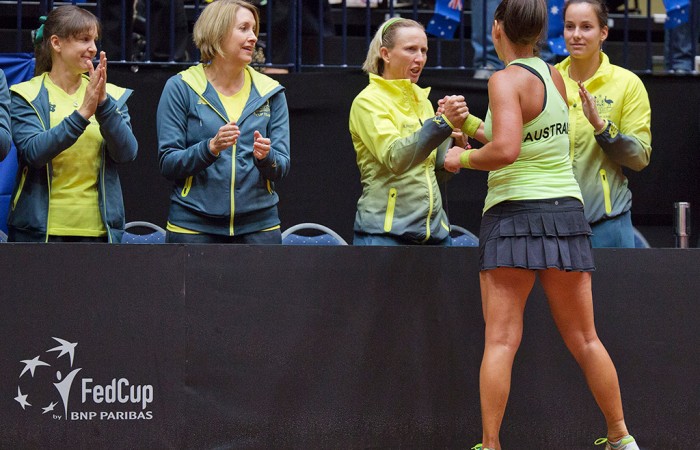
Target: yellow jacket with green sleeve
(598,160)
(395,134)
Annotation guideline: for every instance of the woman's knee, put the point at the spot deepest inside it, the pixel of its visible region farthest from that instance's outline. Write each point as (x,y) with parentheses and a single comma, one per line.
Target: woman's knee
(507,337)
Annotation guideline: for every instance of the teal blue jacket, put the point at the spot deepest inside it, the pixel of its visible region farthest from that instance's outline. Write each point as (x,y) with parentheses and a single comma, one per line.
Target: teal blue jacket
(5,135)
(37,144)
(234,193)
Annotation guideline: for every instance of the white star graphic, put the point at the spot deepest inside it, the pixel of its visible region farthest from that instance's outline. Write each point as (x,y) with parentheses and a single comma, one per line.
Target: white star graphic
(49,408)
(554,10)
(22,398)
(31,364)
(65,347)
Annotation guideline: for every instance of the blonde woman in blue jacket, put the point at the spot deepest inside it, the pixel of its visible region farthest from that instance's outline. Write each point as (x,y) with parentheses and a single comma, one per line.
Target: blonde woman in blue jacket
(609,123)
(71,129)
(223,135)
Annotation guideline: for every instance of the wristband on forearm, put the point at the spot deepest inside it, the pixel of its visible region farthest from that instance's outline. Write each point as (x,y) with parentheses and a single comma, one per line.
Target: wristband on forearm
(471,125)
(464,159)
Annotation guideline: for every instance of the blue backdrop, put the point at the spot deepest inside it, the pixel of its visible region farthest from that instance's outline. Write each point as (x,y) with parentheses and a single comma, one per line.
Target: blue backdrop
(18,67)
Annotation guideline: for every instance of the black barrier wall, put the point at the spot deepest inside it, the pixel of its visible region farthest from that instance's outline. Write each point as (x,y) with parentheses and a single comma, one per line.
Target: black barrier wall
(323,184)
(172,346)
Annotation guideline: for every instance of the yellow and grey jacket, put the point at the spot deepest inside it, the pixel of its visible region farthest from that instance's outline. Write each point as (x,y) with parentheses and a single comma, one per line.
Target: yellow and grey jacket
(597,160)
(395,134)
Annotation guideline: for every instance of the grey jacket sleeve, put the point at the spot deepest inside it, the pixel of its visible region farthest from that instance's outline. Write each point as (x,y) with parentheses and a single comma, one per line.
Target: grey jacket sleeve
(625,150)
(412,150)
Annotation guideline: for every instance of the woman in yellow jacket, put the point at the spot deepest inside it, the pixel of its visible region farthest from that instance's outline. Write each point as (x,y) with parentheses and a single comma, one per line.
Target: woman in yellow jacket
(609,123)
(396,132)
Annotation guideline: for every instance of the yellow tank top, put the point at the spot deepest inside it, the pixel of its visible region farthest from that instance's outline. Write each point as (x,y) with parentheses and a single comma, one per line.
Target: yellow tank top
(543,168)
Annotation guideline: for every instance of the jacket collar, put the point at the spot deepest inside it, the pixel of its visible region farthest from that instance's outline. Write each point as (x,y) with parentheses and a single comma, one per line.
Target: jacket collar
(603,74)
(399,87)
(33,89)
(197,80)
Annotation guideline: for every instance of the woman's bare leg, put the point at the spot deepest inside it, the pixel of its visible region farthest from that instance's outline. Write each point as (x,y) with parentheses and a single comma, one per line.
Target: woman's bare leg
(504,292)
(571,302)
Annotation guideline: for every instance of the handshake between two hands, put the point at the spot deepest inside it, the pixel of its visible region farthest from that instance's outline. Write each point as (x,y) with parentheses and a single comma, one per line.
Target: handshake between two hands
(455,109)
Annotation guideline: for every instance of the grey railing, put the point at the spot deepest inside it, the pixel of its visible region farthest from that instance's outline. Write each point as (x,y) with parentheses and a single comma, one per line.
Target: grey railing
(294,42)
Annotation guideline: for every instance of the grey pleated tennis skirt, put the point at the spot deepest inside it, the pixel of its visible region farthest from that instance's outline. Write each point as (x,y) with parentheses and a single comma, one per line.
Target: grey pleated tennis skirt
(536,234)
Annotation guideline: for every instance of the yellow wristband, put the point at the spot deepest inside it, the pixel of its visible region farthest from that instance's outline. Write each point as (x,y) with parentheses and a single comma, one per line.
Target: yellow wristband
(464,159)
(471,125)
(447,121)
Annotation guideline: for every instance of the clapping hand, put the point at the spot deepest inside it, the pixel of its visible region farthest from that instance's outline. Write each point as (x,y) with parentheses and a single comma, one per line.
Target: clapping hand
(261,147)
(96,91)
(589,108)
(225,138)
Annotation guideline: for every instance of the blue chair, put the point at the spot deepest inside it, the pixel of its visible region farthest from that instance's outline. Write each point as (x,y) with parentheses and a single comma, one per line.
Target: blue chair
(461,237)
(311,234)
(639,240)
(153,233)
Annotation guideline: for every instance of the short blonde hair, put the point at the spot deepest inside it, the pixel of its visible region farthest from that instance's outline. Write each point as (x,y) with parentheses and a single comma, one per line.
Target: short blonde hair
(214,24)
(385,37)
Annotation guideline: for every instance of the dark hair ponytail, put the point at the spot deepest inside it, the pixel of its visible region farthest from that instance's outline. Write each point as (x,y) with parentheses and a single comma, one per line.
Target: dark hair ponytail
(65,22)
(523,21)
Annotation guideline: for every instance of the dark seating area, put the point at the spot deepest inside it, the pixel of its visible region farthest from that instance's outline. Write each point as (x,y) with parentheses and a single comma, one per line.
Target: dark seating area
(635,37)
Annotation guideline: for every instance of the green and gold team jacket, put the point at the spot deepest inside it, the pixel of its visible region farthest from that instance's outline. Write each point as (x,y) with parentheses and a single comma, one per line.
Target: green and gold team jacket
(395,134)
(598,160)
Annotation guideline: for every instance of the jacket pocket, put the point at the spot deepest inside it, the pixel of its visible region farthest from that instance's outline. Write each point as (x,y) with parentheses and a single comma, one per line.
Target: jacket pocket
(25,169)
(606,190)
(390,207)
(187,187)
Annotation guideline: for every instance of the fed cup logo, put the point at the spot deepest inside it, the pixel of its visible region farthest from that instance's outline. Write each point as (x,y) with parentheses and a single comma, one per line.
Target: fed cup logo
(97,401)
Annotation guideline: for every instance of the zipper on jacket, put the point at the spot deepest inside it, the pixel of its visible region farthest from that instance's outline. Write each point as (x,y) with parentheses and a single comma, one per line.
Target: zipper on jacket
(25,169)
(606,190)
(104,195)
(188,182)
(233,187)
(48,204)
(430,202)
(187,187)
(390,207)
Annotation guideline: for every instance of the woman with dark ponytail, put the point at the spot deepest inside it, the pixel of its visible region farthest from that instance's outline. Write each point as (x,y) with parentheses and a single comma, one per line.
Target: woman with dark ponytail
(533,224)
(71,129)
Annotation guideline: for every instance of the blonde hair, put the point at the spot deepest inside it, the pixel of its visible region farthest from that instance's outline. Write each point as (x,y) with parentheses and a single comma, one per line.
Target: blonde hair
(214,24)
(385,37)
